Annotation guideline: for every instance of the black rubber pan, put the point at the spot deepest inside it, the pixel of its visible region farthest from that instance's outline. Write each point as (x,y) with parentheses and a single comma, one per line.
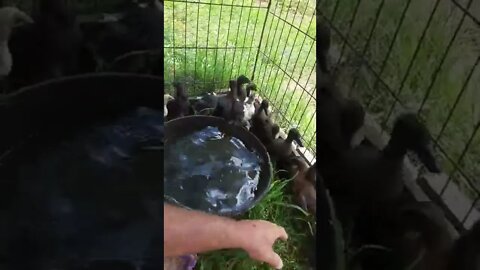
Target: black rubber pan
(184,126)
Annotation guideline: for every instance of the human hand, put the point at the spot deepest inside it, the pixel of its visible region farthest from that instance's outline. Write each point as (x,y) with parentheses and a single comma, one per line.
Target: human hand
(258,237)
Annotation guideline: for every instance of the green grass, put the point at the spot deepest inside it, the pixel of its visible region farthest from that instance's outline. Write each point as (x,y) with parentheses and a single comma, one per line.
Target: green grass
(276,207)
(284,71)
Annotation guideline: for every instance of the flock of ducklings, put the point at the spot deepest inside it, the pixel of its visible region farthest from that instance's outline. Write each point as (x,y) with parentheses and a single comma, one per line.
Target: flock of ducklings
(240,106)
(368,190)
(53,42)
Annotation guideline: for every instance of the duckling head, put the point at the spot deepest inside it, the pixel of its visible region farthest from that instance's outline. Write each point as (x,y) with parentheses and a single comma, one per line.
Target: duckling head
(242,79)
(294,135)
(264,106)
(409,134)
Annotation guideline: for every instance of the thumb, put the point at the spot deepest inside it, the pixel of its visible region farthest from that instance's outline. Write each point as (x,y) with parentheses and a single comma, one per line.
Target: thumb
(274,260)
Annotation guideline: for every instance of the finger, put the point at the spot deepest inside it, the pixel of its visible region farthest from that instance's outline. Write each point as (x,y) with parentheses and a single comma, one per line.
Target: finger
(282,233)
(274,260)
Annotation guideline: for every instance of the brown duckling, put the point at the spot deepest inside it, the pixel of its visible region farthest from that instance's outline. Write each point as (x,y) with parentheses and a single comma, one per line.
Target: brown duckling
(368,175)
(465,254)
(230,107)
(303,190)
(262,125)
(280,149)
(179,106)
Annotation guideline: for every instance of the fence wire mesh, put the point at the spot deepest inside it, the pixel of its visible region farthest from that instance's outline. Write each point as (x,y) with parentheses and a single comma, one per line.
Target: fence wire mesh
(418,56)
(207,43)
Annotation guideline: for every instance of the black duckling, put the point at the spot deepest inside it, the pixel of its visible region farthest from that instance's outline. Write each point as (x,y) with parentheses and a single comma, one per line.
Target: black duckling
(262,126)
(179,107)
(230,107)
(137,28)
(323,32)
(465,254)
(303,190)
(48,48)
(366,175)
(280,150)
(205,101)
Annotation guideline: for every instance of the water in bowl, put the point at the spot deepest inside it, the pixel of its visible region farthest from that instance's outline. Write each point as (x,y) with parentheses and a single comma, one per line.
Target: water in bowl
(211,171)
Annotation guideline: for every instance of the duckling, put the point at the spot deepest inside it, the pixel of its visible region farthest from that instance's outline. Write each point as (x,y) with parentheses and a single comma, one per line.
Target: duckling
(206,101)
(303,190)
(262,126)
(166,98)
(230,107)
(180,106)
(465,253)
(138,28)
(280,149)
(48,48)
(9,18)
(365,175)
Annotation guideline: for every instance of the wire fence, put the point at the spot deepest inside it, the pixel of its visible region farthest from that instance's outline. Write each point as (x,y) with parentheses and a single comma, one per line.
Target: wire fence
(208,43)
(419,56)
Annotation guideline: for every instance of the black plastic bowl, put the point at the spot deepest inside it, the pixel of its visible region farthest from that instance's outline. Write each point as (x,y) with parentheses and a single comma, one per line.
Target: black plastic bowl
(184,126)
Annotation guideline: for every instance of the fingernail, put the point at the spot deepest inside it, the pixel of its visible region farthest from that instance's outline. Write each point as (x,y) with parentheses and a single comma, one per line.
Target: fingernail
(280,266)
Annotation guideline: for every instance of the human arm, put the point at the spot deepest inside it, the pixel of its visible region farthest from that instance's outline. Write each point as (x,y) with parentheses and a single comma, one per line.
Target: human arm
(188,231)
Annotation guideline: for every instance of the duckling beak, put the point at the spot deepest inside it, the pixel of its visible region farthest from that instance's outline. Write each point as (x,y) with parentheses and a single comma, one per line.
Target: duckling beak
(426,157)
